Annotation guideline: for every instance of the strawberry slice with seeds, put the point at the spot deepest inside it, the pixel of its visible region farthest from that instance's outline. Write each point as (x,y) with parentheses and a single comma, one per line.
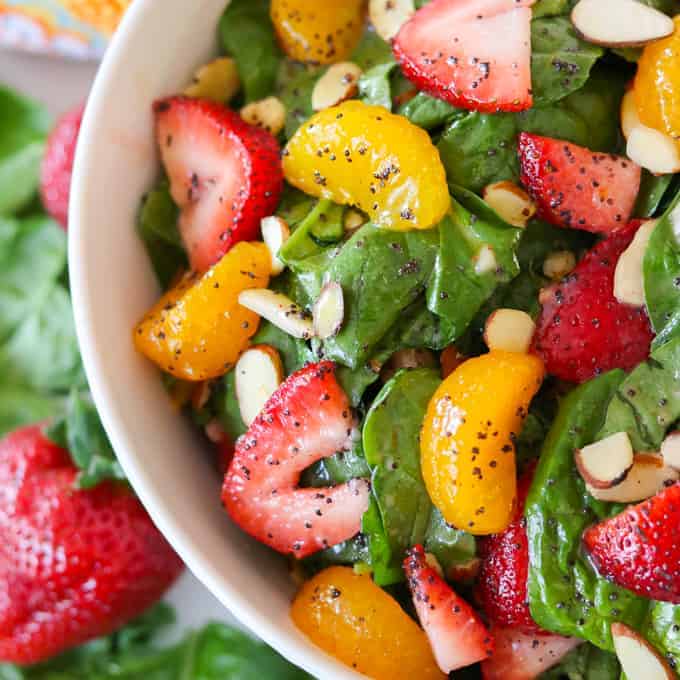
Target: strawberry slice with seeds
(501,589)
(225,175)
(457,635)
(576,187)
(475,54)
(583,330)
(308,418)
(639,549)
(519,656)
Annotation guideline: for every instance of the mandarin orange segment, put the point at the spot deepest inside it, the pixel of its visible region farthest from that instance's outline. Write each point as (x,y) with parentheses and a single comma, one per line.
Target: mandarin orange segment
(197,330)
(467,441)
(357,622)
(362,155)
(318,32)
(657,84)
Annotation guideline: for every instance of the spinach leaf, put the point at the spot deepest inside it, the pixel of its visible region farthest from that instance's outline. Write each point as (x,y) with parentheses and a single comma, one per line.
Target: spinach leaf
(428,112)
(647,402)
(375,87)
(566,596)
(24,125)
(457,290)
(653,189)
(38,346)
(80,431)
(478,149)
(550,8)
(216,652)
(450,546)
(586,662)
(246,33)
(296,94)
(391,442)
(351,553)
(157,227)
(224,404)
(662,629)
(560,60)
(21,405)
(371,51)
(661,271)
(337,469)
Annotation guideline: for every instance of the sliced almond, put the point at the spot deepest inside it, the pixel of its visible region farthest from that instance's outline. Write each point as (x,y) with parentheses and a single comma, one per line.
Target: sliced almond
(275,232)
(628,279)
(269,113)
(279,310)
(645,479)
(215,432)
(353,220)
(510,202)
(340,82)
(653,150)
(558,264)
(620,23)
(388,16)
(639,660)
(509,330)
(259,372)
(329,311)
(485,260)
(670,450)
(217,81)
(201,395)
(629,114)
(407,358)
(606,463)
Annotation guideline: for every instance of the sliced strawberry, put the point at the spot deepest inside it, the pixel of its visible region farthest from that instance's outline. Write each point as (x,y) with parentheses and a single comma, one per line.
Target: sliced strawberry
(639,549)
(578,188)
(224,174)
(453,50)
(502,584)
(583,330)
(519,656)
(308,418)
(457,635)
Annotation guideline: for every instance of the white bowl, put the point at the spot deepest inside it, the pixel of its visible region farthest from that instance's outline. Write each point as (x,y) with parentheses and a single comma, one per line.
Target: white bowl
(156,50)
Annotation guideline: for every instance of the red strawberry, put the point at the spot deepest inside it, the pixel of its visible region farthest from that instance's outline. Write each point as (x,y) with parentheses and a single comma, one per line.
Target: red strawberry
(578,188)
(308,418)
(639,549)
(76,564)
(457,635)
(502,584)
(452,49)
(524,657)
(57,165)
(224,174)
(583,330)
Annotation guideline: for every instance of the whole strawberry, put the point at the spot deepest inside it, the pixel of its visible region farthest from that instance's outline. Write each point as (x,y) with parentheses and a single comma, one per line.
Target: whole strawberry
(583,330)
(76,564)
(502,585)
(639,549)
(57,165)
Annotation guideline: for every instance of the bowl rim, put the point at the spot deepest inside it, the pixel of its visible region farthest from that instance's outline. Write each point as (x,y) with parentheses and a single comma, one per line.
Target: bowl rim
(301,652)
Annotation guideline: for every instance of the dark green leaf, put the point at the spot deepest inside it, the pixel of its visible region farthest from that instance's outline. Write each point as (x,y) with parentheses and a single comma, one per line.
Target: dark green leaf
(662,629)
(81,432)
(565,593)
(450,546)
(549,8)
(24,125)
(247,34)
(21,405)
(586,662)
(157,227)
(375,87)
(653,188)
(428,112)
(560,61)
(391,443)
(371,51)
(457,291)
(661,269)
(296,94)
(350,553)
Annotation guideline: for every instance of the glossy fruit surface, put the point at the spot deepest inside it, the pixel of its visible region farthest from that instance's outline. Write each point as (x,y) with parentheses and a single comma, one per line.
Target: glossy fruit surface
(318,32)
(354,620)
(197,330)
(363,155)
(467,441)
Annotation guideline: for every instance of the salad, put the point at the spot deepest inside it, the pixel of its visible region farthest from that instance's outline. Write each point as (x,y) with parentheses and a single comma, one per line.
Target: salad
(422,293)
(82,567)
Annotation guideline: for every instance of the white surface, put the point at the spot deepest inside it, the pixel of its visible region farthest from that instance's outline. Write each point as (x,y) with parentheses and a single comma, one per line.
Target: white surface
(61,85)
(154,53)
